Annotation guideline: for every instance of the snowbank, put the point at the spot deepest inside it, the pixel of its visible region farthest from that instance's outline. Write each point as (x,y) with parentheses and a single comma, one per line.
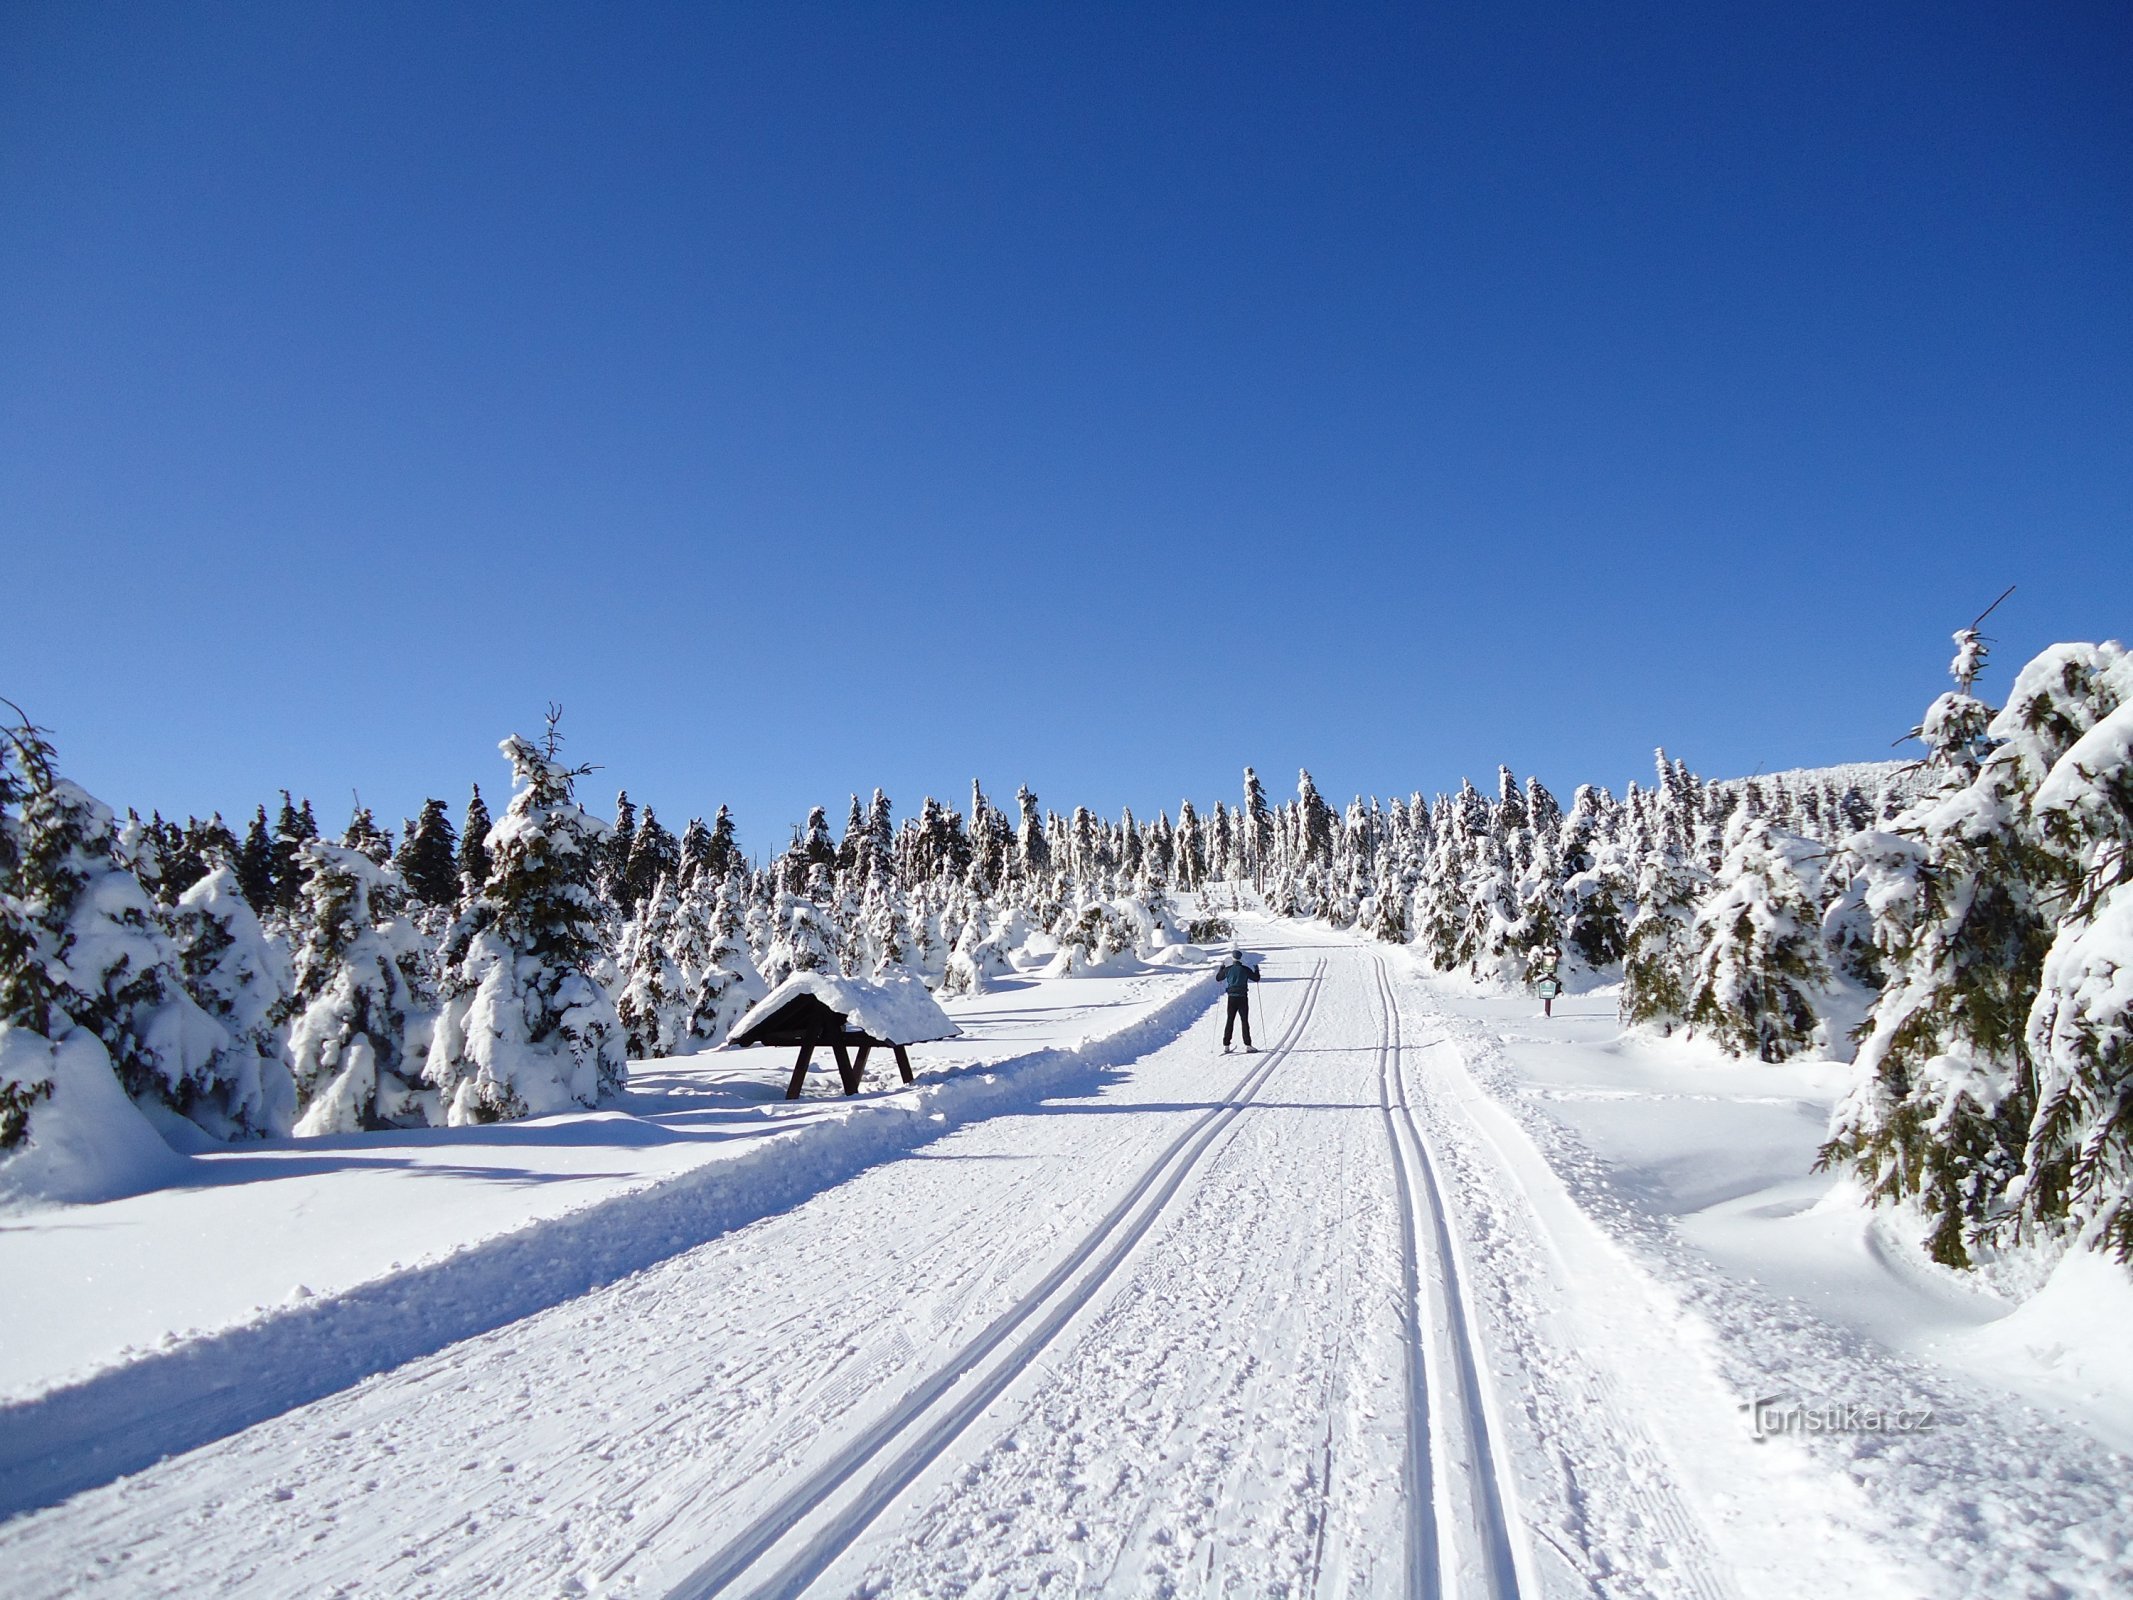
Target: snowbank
(88,1141)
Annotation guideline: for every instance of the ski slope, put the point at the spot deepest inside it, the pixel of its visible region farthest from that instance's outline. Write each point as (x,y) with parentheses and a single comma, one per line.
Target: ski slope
(1330,1319)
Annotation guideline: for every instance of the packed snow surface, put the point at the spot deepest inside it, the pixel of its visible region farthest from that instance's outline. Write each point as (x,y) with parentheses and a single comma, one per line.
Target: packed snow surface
(897,1010)
(1430,1296)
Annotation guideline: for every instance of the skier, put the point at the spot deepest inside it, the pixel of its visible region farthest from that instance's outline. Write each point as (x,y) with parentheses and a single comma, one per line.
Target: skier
(1238,978)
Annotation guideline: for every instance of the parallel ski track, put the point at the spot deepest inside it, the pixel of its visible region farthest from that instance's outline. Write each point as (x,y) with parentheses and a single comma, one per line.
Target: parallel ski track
(910,1437)
(1432,1549)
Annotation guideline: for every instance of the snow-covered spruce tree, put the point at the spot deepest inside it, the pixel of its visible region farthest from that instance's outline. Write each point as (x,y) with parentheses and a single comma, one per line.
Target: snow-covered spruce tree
(366,836)
(654,854)
(1317,819)
(352,1009)
(654,1003)
(1258,825)
(242,980)
(525,1030)
(474,845)
(979,958)
(2078,1163)
(1962,895)
(613,877)
(1190,846)
(1758,949)
(255,865)
(1539,928)
(884,934)
(293,829)
(799,942)
(428,859)
(28,992)
(727,982)
(109,965)
(1660,946)
(723,855)
(1597,892)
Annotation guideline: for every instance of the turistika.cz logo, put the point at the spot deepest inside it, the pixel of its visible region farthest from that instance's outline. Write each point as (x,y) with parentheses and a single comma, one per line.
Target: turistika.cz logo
(1774,1418)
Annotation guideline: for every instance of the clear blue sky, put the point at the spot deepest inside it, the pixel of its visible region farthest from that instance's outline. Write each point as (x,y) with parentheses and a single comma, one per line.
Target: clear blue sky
(1102,397)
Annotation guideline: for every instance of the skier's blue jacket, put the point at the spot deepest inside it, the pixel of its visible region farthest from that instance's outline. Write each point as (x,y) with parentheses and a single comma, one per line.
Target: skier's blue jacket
(1235,975)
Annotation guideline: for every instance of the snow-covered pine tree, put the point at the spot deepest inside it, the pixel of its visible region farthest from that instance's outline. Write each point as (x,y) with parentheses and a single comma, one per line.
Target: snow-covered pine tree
(474,845)
(428,859)
(1961,891)
(696,853)
(654,854)
(992,840)
(613,879)
(255,865)
(1598,888)
(1317,820)
(355,1026)
(800,942)
(1032,851)
(1258,825)
(366,836)
(525,1030)
(1758,960)
(1190,847)
(293,829)
(1660,945)
(108,964)
(654,1005)
(28,992)
(1539,928)
(884,926)
(722,857)
(203,847)
(241,979)
(2078,1177)
(727,983)
(852,845)
(811,847)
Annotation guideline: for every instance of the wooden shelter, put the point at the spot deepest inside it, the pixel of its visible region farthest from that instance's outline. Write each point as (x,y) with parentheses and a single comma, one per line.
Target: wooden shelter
(851,1019)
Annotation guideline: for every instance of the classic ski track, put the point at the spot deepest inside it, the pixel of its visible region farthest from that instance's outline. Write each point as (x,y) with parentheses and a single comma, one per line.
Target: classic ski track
(1695,1567)
(1435,1552)
(934,1414)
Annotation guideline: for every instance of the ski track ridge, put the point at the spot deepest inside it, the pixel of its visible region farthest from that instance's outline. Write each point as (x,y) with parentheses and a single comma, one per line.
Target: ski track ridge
(933,1415)
(1491,1534)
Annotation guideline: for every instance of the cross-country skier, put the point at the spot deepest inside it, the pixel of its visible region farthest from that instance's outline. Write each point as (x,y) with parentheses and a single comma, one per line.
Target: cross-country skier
(1237,978)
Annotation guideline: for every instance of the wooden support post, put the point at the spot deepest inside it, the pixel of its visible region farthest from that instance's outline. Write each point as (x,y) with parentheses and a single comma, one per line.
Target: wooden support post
(844,1067)
(859,1063)
(903,1062)
(799,1072)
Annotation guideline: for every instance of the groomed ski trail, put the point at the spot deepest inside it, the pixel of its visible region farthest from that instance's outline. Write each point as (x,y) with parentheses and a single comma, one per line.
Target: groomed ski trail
(1283,1328)
(1453,1474)
(933,1414)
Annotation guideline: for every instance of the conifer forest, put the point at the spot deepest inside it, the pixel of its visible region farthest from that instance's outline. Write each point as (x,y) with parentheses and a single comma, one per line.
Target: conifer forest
(1957,926)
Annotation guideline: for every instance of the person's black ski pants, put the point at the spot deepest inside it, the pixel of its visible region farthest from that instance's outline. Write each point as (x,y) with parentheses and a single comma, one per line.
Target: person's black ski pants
(1240,1010)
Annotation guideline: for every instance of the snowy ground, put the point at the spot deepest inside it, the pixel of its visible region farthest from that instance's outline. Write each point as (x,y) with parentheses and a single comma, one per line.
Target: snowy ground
(1429,1296)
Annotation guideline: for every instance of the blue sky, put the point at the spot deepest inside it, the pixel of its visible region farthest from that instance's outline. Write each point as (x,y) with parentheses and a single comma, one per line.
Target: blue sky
(1102,397)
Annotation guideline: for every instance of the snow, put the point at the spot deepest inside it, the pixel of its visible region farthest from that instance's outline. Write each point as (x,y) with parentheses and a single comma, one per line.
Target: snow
(244,1224)
(1433,1295)
(896,1008)
(87,1142)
